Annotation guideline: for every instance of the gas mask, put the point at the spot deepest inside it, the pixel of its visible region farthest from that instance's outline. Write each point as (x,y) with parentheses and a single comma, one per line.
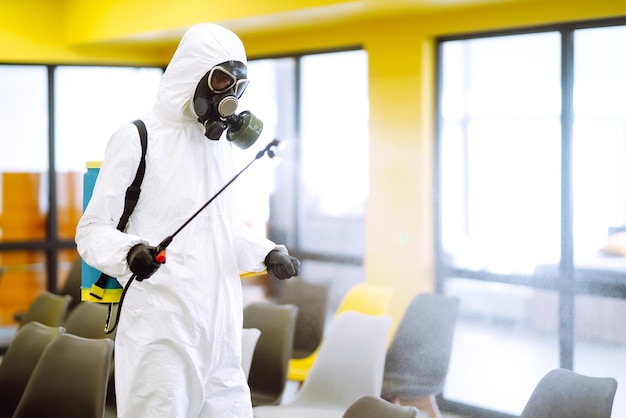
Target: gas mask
(215,102)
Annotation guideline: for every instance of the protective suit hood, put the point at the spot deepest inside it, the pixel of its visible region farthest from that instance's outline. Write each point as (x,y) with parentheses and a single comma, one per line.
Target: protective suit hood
(201,47)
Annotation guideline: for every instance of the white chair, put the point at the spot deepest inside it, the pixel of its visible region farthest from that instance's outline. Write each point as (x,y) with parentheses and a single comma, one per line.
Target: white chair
(249,338)
(349,365)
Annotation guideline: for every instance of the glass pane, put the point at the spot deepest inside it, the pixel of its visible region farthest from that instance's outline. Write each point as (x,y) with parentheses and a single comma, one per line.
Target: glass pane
(23,152)
(600,345)
(65,259)
(504,333)
(599,168)
(500,152)
(270,97)
(334,155)
(91,104)
(23,279)
(341,276)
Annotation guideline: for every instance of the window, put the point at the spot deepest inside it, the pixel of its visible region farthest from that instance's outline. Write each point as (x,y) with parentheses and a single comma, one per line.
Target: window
(319,186)
(91,103)
(289,198)
(43,176)
(531,181)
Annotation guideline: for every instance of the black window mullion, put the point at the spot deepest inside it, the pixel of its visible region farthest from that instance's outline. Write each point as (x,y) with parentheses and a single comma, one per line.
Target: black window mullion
(52,236)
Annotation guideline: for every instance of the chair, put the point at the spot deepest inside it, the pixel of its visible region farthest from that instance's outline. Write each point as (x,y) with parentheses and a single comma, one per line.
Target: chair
(70,287)
(249,339)
(419,354)
(562,393)
(376,407)
(72,284)
(20,360)
(268,370)
(349,365)
(88,320)
(311,298)
(47,308)
(70,380)
(363,297)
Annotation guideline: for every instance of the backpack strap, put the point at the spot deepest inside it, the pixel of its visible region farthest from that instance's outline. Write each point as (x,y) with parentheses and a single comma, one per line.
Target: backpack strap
(130,201)
(132,193)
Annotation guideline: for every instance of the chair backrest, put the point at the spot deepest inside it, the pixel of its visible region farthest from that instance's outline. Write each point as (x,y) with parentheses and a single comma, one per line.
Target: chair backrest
(20,360)
(48,308)
(70,380)
(376,407)
(367,298)
(268,370)
(88,320)
(72,284)
(249,339)
(419,354)
(562,393)
(349,364)
(311,298)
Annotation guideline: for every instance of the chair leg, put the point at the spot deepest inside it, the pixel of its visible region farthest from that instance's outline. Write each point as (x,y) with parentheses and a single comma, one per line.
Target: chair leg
(427,404)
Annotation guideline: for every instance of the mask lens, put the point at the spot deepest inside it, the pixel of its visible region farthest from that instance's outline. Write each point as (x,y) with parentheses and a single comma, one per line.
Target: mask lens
(220,80)
(240,87)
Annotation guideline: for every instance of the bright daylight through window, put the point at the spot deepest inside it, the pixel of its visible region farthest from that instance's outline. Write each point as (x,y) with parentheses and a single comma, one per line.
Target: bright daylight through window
(532,186)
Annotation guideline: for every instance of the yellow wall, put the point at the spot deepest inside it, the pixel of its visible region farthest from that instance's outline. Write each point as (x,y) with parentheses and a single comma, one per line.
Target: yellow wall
(401,67)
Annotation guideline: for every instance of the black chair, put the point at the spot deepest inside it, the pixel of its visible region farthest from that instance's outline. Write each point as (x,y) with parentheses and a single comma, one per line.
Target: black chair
(268,371)
(20,360)
(70,379)
(48,308)
(311,298)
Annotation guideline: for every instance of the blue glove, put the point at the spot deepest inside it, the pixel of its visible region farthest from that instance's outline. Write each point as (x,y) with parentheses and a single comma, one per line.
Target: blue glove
(281,265)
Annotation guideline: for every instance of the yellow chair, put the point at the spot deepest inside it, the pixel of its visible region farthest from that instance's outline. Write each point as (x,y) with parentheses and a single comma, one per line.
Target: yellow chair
(364,298)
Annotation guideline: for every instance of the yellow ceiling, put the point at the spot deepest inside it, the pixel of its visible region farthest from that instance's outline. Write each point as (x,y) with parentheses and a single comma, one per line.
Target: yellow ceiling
(162,22)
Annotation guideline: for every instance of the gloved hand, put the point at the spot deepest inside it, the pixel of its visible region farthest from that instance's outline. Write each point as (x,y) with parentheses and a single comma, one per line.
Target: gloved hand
(141,260)
(281,265)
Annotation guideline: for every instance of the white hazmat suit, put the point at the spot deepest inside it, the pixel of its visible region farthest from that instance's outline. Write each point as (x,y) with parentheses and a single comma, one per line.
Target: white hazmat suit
(178,343)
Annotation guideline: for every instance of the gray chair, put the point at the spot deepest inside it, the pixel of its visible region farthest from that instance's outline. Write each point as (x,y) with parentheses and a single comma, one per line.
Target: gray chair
(70,379)
(311,298)
(562,393)
(268,370)
(348,366)
(419,354)
(20,360)
(376,407)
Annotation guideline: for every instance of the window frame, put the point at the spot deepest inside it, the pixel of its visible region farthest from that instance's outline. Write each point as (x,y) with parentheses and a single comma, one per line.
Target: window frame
(568,281)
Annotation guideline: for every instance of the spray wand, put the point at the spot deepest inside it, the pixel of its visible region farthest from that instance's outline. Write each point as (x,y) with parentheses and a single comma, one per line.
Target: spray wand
(160,254)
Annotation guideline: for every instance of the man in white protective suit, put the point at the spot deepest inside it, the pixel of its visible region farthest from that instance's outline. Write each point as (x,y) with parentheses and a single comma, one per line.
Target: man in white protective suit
(178,342)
